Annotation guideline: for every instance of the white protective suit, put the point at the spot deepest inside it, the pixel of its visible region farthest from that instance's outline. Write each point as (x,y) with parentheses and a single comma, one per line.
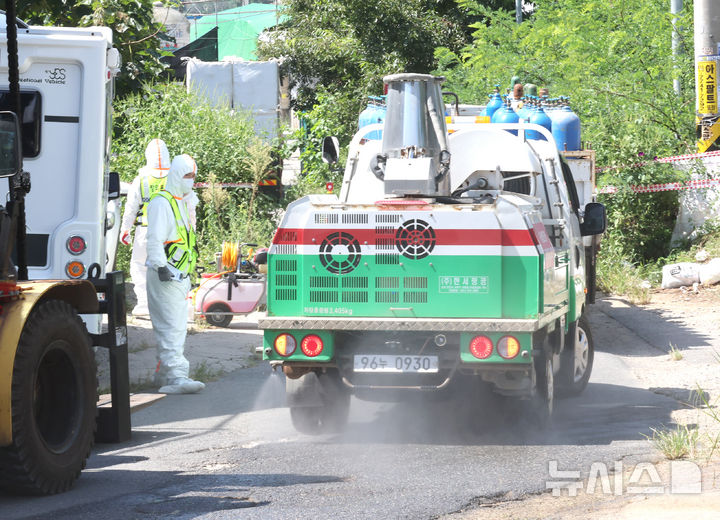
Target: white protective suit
(157,165)
(167,300)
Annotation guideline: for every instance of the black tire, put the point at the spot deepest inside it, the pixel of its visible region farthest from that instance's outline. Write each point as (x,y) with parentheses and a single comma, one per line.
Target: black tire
(332,416)
(577,359)
(543,399)
(218,320)
(54,403)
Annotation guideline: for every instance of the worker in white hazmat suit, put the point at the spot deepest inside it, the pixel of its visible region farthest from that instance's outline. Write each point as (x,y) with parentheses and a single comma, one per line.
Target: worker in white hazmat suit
(150,179)
(171,257)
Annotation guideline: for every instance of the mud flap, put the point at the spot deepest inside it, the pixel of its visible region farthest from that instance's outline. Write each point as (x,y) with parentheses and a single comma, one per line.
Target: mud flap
(304,391)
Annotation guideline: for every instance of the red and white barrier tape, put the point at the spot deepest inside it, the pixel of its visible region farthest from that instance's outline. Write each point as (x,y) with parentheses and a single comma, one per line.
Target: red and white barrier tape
(669,186)
(223,185)
(673,159)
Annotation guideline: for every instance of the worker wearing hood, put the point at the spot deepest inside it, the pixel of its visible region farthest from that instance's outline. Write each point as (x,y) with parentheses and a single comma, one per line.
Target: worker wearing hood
(150,179)
(171,257)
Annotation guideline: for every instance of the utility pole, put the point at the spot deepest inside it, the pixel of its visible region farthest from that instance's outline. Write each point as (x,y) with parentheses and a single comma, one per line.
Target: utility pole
(676,6)
(518,11)
(707,59)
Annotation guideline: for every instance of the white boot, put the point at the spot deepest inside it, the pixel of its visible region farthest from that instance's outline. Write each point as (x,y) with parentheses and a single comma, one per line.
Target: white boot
(182,385)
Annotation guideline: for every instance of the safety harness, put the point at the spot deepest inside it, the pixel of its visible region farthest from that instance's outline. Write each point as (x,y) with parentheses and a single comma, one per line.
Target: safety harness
(182,253)
(149,186)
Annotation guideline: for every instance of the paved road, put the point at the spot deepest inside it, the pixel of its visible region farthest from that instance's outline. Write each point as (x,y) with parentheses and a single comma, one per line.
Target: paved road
(231,452)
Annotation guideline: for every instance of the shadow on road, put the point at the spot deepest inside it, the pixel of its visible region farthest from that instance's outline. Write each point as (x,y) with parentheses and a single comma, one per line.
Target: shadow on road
(656,330)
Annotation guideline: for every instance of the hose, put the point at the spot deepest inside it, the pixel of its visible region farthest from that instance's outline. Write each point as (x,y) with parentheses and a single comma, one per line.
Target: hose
(229,258)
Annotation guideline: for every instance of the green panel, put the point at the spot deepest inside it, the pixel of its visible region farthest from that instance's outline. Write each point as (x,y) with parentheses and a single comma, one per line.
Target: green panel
(435,286)
(521,286)
(326,355)
(525,339)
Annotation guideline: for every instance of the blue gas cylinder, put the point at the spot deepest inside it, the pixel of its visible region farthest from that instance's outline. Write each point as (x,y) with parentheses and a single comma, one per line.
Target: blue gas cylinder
(566,129)
(525,110)
(374,113)
(505,114)
(494,103)
(539,117)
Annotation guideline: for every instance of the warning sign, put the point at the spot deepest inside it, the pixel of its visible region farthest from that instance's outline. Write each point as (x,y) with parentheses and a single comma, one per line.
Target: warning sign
(707,87)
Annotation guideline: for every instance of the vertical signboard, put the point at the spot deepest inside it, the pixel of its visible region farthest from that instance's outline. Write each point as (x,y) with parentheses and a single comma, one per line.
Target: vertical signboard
(707,85)
(706,80)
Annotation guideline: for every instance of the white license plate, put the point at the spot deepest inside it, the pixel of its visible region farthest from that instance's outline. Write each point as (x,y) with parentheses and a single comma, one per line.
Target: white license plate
(395,364)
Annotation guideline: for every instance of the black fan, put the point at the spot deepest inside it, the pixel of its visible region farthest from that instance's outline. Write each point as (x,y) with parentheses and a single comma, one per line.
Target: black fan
(340,253)
(415,239)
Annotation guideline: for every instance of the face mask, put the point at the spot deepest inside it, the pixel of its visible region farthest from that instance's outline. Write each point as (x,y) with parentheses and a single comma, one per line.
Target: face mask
(187,185)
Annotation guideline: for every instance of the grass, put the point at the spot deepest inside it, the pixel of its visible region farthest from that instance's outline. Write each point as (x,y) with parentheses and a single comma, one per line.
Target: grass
(205,373)
(619,276)
(615,275)
(676,444)
(675,354)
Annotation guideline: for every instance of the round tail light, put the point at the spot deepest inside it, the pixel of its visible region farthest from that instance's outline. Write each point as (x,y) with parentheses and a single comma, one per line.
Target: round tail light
(508,347)
(285,345)
(76,245)
(481,347)
(311,345)
(75,269)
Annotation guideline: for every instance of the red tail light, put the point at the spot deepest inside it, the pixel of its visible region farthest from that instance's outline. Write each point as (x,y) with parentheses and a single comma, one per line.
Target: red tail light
(311,345)
(481,347)
(76,245)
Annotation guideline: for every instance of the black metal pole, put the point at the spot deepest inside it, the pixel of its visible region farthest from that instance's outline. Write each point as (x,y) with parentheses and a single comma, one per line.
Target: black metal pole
(17,190)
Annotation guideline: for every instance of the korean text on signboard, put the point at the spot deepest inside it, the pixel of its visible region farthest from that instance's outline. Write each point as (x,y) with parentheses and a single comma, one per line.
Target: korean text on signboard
(707,87)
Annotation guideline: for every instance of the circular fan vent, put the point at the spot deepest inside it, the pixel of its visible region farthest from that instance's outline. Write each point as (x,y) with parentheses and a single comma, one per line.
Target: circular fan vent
(340,253)
(415,239)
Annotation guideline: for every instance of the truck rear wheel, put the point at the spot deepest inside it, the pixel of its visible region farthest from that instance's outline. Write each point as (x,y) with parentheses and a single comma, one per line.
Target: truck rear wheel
(577,360)
(328,417)
(543,400)
(215,319)
(54,403)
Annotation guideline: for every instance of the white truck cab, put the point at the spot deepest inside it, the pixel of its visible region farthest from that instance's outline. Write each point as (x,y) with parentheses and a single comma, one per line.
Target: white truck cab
(66,88)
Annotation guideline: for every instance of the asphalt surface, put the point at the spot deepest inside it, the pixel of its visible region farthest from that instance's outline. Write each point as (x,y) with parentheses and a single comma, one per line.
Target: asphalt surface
(231,451)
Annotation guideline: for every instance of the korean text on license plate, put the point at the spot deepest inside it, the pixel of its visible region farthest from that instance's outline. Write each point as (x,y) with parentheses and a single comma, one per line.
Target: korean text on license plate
(395,364)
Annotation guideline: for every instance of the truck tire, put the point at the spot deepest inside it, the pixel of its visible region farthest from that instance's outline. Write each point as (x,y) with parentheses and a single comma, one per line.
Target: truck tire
(54,403)
(577,360)
(331,416)
(218,320)
(543,399)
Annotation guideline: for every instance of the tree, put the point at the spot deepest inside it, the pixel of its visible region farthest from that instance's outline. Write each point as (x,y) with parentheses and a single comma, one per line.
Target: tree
(348,45)
(614,59)
(134,33)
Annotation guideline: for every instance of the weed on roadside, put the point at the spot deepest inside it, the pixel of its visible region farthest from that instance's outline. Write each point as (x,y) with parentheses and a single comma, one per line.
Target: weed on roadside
(676,444)
(675,354)
(203,372)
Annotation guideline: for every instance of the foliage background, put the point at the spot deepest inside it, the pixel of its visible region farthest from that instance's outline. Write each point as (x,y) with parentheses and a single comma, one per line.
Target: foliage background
(134,33)
(226,149)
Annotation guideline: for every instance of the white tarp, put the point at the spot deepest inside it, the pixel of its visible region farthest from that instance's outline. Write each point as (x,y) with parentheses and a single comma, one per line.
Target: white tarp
(213,80)
(242,85)
(697,207)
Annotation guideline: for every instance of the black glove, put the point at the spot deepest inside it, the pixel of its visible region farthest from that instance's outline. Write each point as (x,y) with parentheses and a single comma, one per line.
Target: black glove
(164,274)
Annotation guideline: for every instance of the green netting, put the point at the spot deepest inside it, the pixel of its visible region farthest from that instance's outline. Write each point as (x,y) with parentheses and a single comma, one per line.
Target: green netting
(238,28)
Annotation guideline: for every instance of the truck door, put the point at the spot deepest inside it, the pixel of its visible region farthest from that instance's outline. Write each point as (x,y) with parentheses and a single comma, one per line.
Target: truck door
(556,226)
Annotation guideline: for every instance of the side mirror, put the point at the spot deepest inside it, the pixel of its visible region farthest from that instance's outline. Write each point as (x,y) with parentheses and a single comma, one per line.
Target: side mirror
(594,221)
(10,152)
(330,149)
(113,186)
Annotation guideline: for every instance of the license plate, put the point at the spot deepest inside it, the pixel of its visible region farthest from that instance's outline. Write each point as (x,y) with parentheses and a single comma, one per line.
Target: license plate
(395,364)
